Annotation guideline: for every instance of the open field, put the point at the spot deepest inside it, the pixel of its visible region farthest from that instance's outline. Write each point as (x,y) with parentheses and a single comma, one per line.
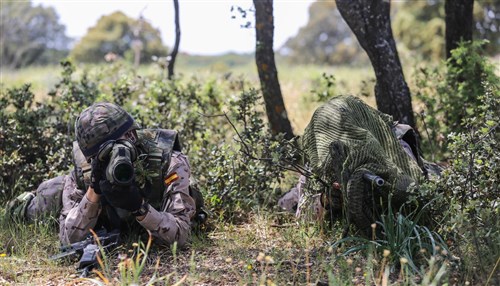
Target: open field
(297,82)
(257,246)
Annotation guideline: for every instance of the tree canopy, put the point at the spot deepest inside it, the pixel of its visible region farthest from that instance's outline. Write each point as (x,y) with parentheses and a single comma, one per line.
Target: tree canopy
(30,34)
(325,39)
(418,27)
(119,34)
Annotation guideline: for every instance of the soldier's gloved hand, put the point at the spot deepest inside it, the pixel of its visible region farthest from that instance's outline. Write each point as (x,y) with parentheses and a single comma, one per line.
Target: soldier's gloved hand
(96,174)
(124,197)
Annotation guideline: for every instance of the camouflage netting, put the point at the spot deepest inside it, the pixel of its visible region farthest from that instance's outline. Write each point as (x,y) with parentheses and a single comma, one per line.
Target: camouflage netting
(345,140)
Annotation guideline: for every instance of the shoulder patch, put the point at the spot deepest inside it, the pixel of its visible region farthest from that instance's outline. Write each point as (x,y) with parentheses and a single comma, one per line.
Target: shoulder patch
(172,178)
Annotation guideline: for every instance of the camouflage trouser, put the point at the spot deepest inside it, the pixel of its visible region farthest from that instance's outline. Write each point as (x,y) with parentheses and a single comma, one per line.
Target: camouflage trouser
(294,200)
(45,201)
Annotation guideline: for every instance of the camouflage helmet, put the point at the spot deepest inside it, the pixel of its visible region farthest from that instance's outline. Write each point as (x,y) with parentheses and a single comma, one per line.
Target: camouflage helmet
(100,123)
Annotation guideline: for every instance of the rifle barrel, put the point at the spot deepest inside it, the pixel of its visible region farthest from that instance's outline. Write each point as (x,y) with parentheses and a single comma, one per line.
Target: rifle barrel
(374,179)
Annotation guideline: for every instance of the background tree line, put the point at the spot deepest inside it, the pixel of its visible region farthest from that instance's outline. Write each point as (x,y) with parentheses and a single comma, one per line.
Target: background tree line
(34,35)
(418,27)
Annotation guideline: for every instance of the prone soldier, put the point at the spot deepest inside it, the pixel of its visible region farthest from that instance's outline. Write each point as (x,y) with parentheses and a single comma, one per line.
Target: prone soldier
(122,175)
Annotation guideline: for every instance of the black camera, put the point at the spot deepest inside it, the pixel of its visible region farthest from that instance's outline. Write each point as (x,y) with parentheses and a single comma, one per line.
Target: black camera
(120,155)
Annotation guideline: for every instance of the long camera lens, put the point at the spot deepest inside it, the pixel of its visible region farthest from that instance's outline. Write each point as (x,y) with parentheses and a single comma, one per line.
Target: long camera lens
(120,170)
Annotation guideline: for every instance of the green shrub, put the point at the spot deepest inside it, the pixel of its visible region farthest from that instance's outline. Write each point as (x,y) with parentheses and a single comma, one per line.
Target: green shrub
(471,190)
(31,146)
(37,136)
(451,93)
(466,205)
(207,114)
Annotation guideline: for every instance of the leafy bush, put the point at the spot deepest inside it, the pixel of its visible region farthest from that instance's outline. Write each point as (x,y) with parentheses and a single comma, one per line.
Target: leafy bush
(28,140)
(466,106)
(470,188)
(36,137)
(230,172)
(451,96)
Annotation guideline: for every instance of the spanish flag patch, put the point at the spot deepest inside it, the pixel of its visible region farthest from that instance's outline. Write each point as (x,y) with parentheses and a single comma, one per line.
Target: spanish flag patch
(171,179)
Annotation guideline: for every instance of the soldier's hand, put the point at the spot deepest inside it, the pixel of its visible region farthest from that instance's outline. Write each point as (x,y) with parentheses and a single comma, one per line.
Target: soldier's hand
(96,175)
(124,197)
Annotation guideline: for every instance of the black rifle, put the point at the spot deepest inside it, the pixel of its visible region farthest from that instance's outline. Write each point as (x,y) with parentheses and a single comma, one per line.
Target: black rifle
(89,249)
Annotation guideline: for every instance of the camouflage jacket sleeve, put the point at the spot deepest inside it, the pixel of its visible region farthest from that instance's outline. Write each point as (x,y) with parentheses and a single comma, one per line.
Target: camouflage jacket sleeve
(78,214)
(173,221)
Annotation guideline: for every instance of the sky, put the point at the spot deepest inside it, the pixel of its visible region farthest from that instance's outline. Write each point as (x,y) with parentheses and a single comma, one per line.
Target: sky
(206,25)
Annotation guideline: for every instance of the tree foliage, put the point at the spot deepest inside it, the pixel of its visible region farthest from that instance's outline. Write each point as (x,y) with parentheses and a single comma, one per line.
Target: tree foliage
(418,27)
(487,24)
(116,34)
(30,34)
(326,39)
(454,94)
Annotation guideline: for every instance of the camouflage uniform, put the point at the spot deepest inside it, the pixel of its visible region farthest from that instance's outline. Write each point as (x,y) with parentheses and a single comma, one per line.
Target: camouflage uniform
(171,222)
(168,192)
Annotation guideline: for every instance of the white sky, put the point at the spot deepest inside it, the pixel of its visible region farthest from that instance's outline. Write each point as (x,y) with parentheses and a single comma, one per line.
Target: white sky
(206,25)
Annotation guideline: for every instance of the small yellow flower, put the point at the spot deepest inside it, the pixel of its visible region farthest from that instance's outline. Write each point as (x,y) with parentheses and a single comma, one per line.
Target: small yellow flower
(249,267)
(386,252)
(269,259)
(3,254)
(261,256)
(270,282)
(349,261)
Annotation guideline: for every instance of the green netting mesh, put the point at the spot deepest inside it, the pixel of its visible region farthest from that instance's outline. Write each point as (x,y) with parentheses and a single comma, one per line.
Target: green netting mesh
(345,139)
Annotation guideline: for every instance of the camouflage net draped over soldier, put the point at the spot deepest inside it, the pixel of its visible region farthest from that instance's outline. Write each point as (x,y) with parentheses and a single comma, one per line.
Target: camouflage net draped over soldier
(347,139)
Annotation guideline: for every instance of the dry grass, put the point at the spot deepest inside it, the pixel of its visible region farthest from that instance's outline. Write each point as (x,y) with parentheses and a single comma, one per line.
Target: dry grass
(297,82)
(256,252)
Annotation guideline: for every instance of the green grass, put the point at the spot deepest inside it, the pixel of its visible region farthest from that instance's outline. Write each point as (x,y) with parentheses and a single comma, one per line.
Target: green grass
(258,252)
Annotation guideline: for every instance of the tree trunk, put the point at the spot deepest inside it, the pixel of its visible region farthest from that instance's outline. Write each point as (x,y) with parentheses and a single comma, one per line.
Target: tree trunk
(370,22)
(266,67)
(459,23)
(173,55)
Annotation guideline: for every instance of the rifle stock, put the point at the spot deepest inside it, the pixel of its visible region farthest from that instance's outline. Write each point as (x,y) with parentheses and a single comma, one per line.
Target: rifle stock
(89,249)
